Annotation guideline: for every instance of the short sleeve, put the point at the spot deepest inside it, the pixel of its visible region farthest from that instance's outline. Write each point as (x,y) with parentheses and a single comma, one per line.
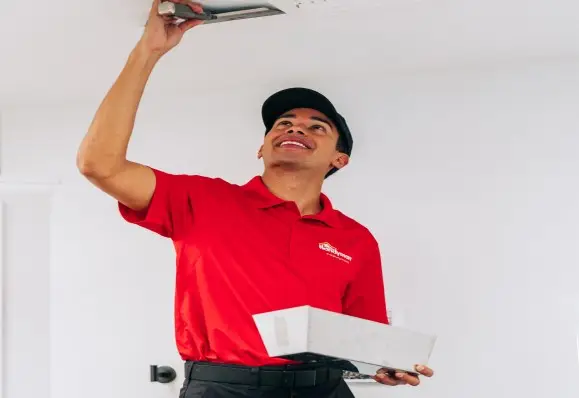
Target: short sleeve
(365,296)
(169,210)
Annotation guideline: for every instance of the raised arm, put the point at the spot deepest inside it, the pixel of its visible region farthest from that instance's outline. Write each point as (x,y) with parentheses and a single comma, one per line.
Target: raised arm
(102,154)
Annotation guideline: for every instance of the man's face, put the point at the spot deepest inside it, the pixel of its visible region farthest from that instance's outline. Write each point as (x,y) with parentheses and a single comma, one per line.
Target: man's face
(303,139)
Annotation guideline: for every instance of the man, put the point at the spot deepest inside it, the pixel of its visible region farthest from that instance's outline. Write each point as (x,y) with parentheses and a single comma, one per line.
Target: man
(273,243)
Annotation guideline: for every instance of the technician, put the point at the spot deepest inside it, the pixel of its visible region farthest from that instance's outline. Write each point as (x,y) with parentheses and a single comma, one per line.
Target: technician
(275,242)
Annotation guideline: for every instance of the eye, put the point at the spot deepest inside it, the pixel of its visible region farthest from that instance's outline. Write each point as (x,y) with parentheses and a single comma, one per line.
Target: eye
(318,127)
(284,123)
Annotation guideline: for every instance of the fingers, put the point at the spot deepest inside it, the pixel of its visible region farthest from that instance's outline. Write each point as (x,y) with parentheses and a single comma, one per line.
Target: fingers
(408,379)
(195,7)
(154,8)
(386,379)
(185,26)
(424,370)
(402,378)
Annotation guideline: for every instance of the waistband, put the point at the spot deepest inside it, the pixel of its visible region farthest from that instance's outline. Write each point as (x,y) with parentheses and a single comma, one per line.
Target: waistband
(286,376)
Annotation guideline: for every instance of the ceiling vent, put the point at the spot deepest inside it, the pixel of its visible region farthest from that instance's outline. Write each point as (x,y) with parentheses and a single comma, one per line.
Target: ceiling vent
(218,11)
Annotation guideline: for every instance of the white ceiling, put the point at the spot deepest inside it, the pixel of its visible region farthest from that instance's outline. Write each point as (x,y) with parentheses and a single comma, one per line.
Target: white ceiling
(55,51)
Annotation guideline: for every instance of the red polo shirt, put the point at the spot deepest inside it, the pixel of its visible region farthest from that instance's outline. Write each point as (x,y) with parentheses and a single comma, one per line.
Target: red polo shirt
(241,251)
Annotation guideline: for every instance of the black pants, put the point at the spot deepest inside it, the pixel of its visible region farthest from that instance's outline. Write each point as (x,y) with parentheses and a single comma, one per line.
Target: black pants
(238,387)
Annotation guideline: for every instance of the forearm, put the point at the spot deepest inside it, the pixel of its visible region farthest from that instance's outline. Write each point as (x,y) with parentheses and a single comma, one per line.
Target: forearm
(104,148)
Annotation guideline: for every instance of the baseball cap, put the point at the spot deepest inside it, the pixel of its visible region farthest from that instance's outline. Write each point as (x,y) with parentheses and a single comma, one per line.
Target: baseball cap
(299,97)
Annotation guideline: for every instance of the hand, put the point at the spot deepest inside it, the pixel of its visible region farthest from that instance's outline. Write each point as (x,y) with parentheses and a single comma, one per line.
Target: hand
(402,378)
(161,34)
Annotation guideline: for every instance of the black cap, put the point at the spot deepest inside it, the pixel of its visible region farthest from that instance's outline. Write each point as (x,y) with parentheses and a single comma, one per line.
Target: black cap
(298,97)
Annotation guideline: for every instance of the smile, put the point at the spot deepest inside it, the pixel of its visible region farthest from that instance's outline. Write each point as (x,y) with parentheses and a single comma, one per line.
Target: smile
(293,144)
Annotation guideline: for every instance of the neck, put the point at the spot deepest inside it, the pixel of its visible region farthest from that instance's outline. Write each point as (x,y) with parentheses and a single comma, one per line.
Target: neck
(295,186)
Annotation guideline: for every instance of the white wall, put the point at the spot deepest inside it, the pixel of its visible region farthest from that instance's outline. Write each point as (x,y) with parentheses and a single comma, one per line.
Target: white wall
(25,261)
(470,179)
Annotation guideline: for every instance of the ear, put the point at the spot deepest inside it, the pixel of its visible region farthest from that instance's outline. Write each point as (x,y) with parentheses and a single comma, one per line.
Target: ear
(259,152)
(341,160)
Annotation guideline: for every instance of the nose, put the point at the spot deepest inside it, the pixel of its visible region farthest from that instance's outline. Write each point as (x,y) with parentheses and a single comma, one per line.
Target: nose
(297,130)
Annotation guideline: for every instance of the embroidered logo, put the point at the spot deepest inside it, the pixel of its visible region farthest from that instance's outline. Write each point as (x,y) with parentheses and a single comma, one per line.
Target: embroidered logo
(332,251)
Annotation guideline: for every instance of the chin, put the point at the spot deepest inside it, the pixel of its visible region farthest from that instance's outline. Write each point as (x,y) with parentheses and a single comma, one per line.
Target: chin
(287,163)
(284,163)
(289,158)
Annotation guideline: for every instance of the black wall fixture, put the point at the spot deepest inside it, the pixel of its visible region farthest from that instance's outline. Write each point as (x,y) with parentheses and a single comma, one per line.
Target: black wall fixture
(162,374)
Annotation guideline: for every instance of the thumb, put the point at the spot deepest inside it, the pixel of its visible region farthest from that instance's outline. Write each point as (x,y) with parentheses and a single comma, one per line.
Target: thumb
(154,8)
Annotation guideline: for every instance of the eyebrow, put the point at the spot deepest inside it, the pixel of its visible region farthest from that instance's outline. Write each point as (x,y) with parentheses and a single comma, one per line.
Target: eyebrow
(319,119)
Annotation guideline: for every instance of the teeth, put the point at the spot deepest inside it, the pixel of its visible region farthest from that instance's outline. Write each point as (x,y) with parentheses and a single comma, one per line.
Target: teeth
(293,143)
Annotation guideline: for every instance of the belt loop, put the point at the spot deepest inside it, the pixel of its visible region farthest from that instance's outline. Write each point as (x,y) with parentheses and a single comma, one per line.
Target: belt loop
(255,376)
(189,369)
